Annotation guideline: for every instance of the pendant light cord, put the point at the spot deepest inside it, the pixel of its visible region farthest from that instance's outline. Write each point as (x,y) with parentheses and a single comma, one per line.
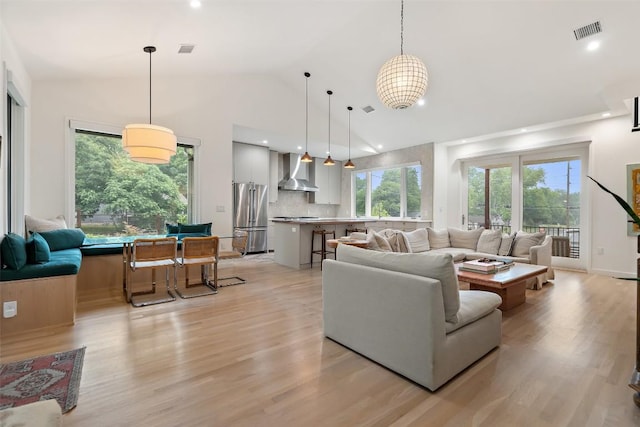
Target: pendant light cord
(401,27)
(329,145)
(150,87)
(306,112)
(349,121)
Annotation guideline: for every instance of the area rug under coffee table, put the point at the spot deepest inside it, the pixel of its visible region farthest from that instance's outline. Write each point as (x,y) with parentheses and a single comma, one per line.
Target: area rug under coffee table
(55,376)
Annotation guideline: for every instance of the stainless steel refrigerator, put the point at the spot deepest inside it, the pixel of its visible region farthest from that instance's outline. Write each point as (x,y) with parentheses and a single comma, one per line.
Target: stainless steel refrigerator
(250,213)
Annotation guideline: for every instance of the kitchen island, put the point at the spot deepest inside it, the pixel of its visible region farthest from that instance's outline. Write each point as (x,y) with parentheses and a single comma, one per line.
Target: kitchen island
(292,235)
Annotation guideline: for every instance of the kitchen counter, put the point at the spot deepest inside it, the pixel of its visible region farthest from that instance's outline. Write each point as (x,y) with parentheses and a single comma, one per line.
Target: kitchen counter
(292,235)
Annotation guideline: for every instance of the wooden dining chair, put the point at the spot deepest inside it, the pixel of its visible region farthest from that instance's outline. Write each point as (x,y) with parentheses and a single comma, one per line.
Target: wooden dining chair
(145,254)
(239,248)
(199,252)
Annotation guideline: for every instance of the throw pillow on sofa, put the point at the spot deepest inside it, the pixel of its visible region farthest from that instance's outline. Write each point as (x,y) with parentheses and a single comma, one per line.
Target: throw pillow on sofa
(64,239)
(377,242)
(466,239)
(524,241)
(505,244)
(38,251)
(204,229)
(13,250)
(438,239)
(32,224)
(417,240)
(396,239)
(489,242)
(436,266)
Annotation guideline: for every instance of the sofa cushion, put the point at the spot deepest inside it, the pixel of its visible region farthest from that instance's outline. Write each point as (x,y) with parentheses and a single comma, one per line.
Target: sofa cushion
(489,242)
(396,240)
(37,249)
(435,266)
(418,240)
(438,238)
(64,238)
(524,241)
(506,243)
(458,254)
(195,228)
(467,239)
(172,229)
(13,250)
(62,263)
(377,242)
(473,306)
(32,224)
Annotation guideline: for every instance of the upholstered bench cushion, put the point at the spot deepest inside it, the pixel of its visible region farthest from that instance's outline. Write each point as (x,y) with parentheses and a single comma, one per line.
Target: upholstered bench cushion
(61,263)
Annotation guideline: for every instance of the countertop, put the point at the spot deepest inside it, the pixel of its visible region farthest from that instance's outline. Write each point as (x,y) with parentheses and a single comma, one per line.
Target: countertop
(329,221)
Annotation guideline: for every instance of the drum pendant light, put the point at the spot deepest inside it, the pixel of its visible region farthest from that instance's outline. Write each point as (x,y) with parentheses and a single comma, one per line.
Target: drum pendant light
(306,157)
(349,164)
(329,161)
(147,143)
(402,80)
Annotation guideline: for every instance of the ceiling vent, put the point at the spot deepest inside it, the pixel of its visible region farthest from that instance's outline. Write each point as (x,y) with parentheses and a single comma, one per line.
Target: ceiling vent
(587,30)
(368,109)
(186,48)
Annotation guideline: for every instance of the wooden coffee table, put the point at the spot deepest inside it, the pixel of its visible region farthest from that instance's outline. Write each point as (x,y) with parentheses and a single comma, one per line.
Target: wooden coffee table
(509,284)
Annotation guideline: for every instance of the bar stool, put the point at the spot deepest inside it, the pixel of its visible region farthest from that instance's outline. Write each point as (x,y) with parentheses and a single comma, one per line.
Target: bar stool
(323,250)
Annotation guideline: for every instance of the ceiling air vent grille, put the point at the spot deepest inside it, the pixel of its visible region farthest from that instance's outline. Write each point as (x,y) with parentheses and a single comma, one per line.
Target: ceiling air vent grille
(368,109)
(587,30)
(186,48)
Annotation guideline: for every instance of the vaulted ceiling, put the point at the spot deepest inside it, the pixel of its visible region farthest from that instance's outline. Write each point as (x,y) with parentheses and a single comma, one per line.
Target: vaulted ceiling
(493,66)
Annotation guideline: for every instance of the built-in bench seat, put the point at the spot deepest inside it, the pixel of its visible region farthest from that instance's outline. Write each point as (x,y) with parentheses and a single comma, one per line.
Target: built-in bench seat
(61,263)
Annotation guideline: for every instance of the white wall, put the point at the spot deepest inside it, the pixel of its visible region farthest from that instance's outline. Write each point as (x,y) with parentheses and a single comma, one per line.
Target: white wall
(612,147)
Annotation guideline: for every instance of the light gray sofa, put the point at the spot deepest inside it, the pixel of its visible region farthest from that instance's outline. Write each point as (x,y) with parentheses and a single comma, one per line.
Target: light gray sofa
(523,247)
(406,312)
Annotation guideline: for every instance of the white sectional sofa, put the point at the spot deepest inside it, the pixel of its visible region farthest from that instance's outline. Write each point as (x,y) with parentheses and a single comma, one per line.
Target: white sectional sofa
(529,248)
(406,312)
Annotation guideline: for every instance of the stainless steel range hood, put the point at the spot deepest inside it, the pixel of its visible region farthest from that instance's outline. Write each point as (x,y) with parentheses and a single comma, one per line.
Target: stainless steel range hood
(295,174)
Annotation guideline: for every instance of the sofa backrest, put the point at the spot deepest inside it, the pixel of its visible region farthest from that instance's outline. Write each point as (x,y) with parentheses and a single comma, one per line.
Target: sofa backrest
(436,266)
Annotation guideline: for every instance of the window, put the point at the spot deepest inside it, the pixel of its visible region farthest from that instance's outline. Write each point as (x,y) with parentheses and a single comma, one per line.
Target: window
(492,208)
(115,196)
(394,192)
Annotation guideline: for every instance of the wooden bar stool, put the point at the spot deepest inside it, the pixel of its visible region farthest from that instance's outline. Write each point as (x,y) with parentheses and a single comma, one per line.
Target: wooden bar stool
(324,236)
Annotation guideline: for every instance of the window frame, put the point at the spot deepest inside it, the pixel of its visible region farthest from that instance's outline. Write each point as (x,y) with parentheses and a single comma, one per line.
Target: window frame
(70,163)
(403,188)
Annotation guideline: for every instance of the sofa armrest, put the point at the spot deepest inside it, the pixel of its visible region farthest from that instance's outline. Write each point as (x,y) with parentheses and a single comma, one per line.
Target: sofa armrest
(541,254)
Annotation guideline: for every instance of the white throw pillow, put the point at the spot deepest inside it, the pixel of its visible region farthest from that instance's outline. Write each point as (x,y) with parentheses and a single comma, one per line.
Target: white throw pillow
(505,244)
(466,239)
(438,239)
(396,239)
(489,242)
(377,242)
(33,224)
(434,265)
(418,240)
(524,241)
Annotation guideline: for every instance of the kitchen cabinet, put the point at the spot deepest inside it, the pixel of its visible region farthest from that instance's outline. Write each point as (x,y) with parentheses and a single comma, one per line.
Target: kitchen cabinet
(328,179)
(274,176)
(250,163)
(397,224)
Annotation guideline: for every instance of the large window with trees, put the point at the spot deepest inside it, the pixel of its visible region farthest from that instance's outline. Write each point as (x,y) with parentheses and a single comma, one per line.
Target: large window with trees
(548,196)
(393,192)
(115,196)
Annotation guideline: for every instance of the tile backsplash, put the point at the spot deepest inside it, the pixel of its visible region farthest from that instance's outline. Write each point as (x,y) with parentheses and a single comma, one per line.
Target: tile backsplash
(296,203)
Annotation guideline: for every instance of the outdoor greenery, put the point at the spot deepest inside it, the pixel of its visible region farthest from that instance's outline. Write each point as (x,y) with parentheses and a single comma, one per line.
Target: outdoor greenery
(541,204)
(385,198)
(135,197)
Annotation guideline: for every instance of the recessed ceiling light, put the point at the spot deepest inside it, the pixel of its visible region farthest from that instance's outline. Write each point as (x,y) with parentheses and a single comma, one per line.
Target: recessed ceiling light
(464,140)
(299,147)
(195,4)
(593,45)
(523,130)
(264,141)
(379,146)
(421,102)
(606,114)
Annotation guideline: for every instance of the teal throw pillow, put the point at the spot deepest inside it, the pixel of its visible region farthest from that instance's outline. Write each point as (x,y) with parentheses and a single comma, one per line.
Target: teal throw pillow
(14,251)
(196,228)
(67,238)
(37,250)
(172,228)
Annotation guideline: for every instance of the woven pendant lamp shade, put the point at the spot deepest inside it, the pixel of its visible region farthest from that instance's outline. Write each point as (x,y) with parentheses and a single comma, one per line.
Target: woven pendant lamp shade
(402,80)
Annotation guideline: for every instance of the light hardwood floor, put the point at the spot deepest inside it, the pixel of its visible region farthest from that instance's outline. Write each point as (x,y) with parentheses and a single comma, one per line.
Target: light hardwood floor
(254,355)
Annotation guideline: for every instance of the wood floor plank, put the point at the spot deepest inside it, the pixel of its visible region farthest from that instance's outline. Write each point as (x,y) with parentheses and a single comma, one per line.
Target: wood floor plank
(255,355)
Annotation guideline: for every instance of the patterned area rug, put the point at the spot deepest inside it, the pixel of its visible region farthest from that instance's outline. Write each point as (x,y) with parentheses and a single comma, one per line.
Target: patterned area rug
(55,376)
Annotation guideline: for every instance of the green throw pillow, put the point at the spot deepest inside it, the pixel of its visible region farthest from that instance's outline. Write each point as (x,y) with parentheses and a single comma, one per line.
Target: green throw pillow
(14,251)
(67,238)
(37,249)
(172,228)
(196,228)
